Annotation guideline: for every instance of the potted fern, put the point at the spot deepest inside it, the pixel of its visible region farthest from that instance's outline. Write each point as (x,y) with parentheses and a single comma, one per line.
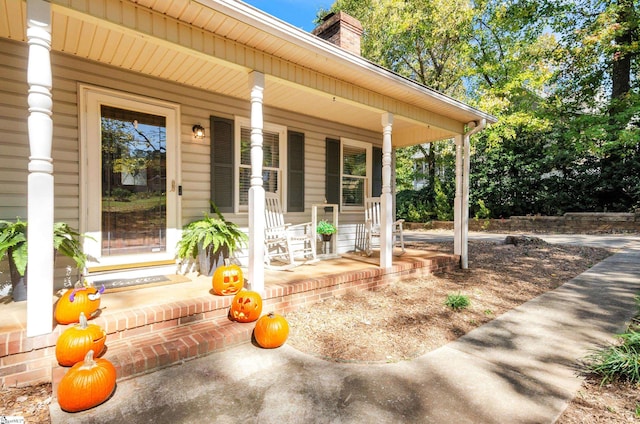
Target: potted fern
(210,240)
(13,243)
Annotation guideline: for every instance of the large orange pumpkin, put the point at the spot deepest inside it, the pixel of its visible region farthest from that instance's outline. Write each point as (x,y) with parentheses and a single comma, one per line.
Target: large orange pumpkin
(271,331)
(246,306)
(86,384)
(74,343)
(80,299)
(227,280)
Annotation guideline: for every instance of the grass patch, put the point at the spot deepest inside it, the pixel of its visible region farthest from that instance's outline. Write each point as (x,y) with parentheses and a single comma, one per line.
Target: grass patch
(622,360)
(457,301)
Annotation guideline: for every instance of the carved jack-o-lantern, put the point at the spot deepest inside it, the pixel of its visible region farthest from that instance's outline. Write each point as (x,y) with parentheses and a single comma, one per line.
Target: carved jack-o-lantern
(227,280)
(246,306)
(80,299)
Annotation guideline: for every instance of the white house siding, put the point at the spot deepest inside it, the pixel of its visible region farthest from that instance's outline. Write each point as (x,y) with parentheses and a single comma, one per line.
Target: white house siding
(196,107)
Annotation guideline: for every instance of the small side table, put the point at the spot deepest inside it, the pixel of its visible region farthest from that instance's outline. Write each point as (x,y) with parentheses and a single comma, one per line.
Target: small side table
(333,244)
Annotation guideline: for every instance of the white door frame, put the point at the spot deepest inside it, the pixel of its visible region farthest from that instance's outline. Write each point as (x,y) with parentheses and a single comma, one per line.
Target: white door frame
(91,98)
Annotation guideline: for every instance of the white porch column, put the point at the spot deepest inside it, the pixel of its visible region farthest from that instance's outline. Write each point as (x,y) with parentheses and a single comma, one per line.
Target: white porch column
(256,191)
(457,202)
(386,199)
(464,252)
(40,179)
(474,127)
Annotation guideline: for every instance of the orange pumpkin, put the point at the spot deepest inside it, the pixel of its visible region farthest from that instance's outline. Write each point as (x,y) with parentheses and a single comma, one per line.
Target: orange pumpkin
(74,343)
(80,299)
(246,306)
(227,280)
(86,384)
(271,331)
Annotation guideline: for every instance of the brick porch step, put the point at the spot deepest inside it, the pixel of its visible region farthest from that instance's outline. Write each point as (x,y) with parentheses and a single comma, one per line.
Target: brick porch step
(138,355)
(141,339)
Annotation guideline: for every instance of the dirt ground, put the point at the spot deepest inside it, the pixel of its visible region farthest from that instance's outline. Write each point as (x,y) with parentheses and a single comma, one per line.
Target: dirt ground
(409,318)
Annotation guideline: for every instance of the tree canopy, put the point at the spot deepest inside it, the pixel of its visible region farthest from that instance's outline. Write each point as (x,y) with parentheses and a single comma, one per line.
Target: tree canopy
(561,76)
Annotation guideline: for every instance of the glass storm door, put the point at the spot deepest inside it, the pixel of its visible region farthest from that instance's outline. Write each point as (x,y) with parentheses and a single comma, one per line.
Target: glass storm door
(134,178)
(129,197)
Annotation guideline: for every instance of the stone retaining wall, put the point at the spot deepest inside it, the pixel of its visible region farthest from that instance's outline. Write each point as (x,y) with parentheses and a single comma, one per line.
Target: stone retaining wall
(569,223)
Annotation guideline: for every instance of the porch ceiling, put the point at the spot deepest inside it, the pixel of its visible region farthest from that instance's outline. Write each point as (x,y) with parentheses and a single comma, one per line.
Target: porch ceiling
(214,44)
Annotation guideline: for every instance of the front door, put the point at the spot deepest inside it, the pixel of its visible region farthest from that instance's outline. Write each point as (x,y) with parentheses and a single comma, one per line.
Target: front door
(130,180)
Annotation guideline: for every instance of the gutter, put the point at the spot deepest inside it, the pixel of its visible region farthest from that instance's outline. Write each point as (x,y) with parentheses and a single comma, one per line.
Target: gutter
(475,127)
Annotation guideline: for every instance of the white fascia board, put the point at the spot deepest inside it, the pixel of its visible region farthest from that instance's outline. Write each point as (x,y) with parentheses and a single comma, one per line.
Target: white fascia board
(285,31)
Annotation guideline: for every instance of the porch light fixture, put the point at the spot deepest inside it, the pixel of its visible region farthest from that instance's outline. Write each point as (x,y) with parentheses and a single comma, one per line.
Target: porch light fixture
(198,131)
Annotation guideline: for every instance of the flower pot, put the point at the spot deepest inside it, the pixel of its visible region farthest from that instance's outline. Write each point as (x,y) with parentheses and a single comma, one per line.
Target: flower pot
(326,237)
(208,260)
(18,282)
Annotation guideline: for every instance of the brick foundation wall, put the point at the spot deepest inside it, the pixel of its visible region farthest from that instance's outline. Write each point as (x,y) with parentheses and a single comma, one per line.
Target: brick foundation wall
(569,223)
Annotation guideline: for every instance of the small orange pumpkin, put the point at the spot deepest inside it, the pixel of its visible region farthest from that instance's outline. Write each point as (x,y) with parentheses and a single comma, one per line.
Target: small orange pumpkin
(246,306)
(80,299)
(271,331)
(74,343)
(227,279)
(86,384)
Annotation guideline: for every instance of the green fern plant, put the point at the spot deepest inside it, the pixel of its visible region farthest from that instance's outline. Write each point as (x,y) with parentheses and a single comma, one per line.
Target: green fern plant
(210,232)
(13,242)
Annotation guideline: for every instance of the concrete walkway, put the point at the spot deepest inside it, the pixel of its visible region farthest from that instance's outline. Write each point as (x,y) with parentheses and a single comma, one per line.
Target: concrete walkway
(519,368)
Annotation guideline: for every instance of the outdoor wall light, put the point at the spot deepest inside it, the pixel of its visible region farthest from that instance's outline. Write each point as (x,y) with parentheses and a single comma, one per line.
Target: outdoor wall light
(198,131)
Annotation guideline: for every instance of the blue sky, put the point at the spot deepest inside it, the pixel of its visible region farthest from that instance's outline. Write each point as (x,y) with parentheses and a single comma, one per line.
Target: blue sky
(299,13)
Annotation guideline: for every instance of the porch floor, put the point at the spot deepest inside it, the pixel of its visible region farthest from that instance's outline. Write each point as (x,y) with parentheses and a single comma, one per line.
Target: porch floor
(152,327)
(13,315)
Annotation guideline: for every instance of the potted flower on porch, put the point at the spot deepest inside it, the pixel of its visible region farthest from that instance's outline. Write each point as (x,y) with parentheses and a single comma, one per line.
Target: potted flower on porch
(13,242)
(326,230)
(210,240)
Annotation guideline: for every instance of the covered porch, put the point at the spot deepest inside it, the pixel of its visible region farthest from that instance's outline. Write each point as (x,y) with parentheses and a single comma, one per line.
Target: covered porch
(156,326)
(189,61)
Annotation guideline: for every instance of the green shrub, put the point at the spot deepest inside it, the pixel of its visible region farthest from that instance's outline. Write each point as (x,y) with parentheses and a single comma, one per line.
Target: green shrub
(482,212)
(457,301)
(618,362)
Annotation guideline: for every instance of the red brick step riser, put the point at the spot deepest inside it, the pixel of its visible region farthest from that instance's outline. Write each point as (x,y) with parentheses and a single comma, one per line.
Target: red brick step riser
(145,339)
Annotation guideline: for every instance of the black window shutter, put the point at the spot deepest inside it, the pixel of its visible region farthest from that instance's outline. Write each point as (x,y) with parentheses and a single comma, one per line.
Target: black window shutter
(332,171)
(376,177)
(295,172)
(222,163)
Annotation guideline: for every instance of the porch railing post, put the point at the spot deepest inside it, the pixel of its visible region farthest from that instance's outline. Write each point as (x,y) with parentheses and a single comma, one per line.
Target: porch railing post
(256,191)
(386,199)
(40,179)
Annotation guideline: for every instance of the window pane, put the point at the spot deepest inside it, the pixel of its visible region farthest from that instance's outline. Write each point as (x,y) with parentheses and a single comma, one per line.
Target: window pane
(269,181)
(245,183)
(270,163)
(133,182)
(245,146)
(353,191)
(270,148)
(354,161)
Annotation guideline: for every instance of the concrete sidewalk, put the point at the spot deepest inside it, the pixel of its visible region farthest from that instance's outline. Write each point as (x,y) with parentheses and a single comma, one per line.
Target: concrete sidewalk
(519,368)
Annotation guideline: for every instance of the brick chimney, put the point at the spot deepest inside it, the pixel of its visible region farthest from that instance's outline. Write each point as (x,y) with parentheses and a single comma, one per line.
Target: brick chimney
(342,30)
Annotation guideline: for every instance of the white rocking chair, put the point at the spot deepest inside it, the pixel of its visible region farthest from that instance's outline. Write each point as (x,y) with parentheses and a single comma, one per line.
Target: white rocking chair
(283,241)
(372,225)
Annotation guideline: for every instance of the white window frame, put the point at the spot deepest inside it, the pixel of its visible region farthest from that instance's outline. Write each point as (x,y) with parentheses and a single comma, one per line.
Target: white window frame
(369,170)
(281,130)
